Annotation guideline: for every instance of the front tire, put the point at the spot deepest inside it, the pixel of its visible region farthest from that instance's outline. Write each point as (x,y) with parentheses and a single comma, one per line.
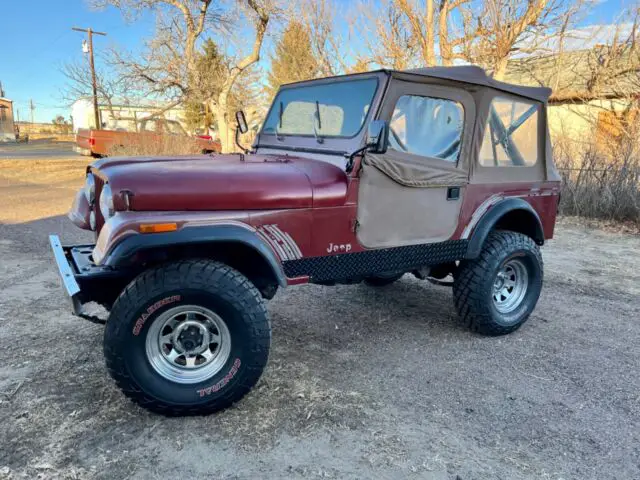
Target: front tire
(187,338)
(495,293)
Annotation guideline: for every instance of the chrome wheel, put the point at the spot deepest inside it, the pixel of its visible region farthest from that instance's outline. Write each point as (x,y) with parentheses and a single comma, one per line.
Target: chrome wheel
(510,286)
(188,344)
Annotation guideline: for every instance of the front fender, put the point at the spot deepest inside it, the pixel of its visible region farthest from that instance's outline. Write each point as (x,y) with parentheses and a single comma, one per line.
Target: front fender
(192,236)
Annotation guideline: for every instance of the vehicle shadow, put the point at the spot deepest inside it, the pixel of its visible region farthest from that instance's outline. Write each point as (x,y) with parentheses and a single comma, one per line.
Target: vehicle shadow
(343,317)
(32,237)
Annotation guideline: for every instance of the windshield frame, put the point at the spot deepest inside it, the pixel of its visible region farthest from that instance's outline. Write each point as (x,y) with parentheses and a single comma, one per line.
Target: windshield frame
(331,144)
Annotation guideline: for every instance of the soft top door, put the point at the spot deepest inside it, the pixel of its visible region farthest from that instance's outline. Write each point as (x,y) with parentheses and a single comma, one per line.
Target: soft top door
(412,194)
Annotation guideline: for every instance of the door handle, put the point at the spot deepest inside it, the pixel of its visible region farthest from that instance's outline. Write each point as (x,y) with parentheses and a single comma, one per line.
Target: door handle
(453,193)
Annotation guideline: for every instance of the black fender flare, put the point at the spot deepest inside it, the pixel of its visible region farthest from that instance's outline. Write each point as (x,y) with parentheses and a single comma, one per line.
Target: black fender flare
(489,220)
(194,235)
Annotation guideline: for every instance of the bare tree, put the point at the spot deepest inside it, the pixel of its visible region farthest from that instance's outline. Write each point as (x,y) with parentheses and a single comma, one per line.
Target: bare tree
(604,62)
(506,24)
(388,36)
(412,33)
(421,27)
(486,32)
(169,66)
(110,88)
(261,13)
(614,67)
(328,44)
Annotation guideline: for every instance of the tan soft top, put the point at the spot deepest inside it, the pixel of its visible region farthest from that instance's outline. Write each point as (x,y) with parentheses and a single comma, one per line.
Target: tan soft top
(477,76)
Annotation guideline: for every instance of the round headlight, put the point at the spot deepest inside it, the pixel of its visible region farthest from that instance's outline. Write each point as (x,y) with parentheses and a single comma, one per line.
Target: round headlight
(107,208)
(90,189)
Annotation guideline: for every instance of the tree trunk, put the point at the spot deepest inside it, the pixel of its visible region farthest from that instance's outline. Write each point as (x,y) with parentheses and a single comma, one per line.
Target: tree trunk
(500,68)
(443,34)
(225,133)
(429,53)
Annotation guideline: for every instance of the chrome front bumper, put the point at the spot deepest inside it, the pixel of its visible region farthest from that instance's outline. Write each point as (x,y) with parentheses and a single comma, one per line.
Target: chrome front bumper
(83,280)
(66,273)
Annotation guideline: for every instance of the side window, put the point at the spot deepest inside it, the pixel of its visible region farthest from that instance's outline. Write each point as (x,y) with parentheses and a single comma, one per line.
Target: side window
(149,126)
(427,126)
(511,134)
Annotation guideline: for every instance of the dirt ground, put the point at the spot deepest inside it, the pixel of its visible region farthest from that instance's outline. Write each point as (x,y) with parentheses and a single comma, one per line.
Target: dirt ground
(361,383)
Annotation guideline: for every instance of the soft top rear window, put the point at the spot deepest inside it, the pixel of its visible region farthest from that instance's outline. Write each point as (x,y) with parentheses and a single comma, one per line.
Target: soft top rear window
(337,109)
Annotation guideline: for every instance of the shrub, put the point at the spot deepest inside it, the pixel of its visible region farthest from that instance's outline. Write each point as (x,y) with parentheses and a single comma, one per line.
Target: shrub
(602,180)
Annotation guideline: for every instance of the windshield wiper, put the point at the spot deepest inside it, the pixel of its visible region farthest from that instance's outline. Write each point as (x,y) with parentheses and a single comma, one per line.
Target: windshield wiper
(316,118)
(279,124)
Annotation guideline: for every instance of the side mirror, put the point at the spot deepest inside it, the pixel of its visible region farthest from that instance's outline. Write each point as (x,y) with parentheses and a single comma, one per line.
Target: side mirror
(377,136)
(241,121)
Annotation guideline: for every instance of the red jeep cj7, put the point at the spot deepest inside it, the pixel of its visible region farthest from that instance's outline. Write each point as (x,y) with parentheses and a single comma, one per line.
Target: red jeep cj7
(436,172)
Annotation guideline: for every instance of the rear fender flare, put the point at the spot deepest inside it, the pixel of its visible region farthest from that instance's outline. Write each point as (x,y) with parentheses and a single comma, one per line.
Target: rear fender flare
(194,236)
(490,219)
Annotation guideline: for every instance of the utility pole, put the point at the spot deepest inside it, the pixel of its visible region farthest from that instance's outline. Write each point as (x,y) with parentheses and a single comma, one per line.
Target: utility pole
(32,108)
(94,84)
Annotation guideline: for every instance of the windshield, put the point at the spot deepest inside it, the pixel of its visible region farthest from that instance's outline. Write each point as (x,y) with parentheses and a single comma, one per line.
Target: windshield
(335,109)
(175,128)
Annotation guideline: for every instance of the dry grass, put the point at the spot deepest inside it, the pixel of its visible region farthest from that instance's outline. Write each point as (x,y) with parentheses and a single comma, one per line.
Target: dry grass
(43,171)
(143,146)
(33,189)
(290,398)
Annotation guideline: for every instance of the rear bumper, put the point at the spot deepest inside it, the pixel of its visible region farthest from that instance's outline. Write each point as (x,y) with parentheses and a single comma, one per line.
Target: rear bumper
(82,280)
(82,151)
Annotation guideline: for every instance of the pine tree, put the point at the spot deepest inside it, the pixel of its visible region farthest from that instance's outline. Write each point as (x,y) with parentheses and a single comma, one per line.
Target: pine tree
(293,59)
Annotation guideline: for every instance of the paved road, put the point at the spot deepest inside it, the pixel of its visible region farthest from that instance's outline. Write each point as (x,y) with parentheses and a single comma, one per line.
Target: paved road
(36,149)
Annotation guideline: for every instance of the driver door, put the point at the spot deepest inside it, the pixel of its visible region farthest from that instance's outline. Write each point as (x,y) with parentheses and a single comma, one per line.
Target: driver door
(413,193)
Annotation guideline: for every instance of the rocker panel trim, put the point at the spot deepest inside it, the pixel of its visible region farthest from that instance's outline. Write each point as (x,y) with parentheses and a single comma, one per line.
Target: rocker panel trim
(360,264)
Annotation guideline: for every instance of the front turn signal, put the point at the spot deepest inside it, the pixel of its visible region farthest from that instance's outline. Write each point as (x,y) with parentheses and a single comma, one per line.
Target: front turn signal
(158,227)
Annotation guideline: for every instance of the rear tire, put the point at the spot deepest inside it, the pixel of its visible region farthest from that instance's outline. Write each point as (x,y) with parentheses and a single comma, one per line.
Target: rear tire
(495,293)
(187,338)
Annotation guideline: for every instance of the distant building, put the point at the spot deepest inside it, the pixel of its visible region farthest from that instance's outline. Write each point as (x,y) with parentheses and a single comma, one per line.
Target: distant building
(119,116)
(7,129)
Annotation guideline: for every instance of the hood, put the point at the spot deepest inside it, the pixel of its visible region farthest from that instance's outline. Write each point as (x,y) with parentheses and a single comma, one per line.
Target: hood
(224,182)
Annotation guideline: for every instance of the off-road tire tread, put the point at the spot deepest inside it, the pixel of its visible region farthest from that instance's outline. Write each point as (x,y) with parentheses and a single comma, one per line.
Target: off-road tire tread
(202,274)
(472,306)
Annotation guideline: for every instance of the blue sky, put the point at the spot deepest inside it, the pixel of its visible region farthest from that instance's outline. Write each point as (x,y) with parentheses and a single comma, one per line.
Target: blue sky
(38,40)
